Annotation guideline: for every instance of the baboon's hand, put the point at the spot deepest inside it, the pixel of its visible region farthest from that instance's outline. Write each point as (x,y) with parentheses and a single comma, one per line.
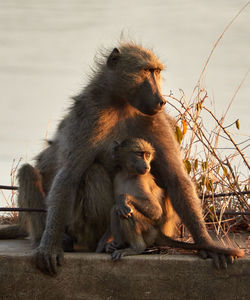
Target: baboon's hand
(48,259)
(117,255)
(111,247)
(220,260)
(124,210)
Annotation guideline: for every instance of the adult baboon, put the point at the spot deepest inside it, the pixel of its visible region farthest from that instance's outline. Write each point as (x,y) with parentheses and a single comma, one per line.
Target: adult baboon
(122,100)
(138,214)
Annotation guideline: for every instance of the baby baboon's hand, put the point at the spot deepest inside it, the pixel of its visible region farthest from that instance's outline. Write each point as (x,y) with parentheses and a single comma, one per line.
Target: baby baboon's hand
(124,210)
(122,207)
(48,259)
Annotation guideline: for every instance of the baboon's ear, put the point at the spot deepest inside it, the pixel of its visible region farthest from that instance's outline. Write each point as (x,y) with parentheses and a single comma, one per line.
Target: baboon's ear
(113,58)
(115,146)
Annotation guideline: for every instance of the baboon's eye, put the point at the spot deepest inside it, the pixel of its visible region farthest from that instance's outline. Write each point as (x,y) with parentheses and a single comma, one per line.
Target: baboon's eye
(156,71)
(147,155)
(139,154)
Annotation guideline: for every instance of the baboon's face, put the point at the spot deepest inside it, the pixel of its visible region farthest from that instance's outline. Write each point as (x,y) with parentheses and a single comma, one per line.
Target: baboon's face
(139,162)
(136,161)
(146,96)
(137,78)
(134,155)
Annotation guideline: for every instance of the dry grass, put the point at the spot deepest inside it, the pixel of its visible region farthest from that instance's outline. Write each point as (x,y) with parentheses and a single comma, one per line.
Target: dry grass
(9,197)
(214,152)
(213,159)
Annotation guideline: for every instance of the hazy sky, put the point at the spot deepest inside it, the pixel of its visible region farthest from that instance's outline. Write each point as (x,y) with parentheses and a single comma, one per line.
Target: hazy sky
(47,48)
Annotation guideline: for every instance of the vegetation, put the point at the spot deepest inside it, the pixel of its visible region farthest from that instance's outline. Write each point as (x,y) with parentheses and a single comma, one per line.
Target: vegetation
(214,154)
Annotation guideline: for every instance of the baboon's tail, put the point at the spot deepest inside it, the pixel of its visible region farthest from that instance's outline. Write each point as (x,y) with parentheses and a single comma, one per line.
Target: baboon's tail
(12,232)
(30,195)
(167,241)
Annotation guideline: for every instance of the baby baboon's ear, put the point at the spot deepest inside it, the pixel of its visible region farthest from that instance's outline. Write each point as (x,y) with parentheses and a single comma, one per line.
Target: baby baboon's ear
(113,58)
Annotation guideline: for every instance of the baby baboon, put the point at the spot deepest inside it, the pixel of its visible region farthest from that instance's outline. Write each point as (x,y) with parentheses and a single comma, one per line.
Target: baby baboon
(138,215)
(123,99)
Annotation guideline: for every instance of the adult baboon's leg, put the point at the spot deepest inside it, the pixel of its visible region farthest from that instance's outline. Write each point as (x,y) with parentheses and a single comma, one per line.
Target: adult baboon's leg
(115,230)
(171,219)
(103,241)
(62,202)
(95,200)
(132,236)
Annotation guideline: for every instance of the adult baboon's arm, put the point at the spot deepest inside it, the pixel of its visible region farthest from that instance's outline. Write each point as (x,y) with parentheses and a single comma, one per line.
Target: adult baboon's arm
(60,201)
(170,174)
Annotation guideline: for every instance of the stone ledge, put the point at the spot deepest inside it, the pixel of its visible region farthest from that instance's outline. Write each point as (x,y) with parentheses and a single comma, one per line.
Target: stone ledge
(95,276)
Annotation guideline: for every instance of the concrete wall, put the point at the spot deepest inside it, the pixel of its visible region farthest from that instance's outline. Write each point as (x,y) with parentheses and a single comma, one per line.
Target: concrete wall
(95,276)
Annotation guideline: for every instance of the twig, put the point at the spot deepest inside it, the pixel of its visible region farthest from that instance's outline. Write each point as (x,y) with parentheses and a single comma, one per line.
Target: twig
(237,90)
(22,209)
(227,194)
(229,136)
(202,134)
(219,222)
(7,187)
(235,213)
(26,209)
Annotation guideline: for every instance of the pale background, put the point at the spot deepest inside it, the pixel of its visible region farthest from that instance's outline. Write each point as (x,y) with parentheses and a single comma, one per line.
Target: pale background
(47,48)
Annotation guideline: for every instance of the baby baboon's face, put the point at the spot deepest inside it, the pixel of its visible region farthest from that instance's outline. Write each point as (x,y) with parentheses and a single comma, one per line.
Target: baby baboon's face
(139,162)
(135,155)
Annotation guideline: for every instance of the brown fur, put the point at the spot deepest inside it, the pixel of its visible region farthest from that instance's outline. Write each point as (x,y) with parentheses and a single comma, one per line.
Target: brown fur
(122,100)
(138,217)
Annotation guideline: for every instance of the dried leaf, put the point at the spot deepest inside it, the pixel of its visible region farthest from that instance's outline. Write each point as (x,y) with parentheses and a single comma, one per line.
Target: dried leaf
(179,134)
(225,170)
(198,106)
(212,212)
(188,166)
(237,123)
(209,184)
(213,209)
(211,217)
(196,164)
(204,165)
(203,180)
(184,126)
